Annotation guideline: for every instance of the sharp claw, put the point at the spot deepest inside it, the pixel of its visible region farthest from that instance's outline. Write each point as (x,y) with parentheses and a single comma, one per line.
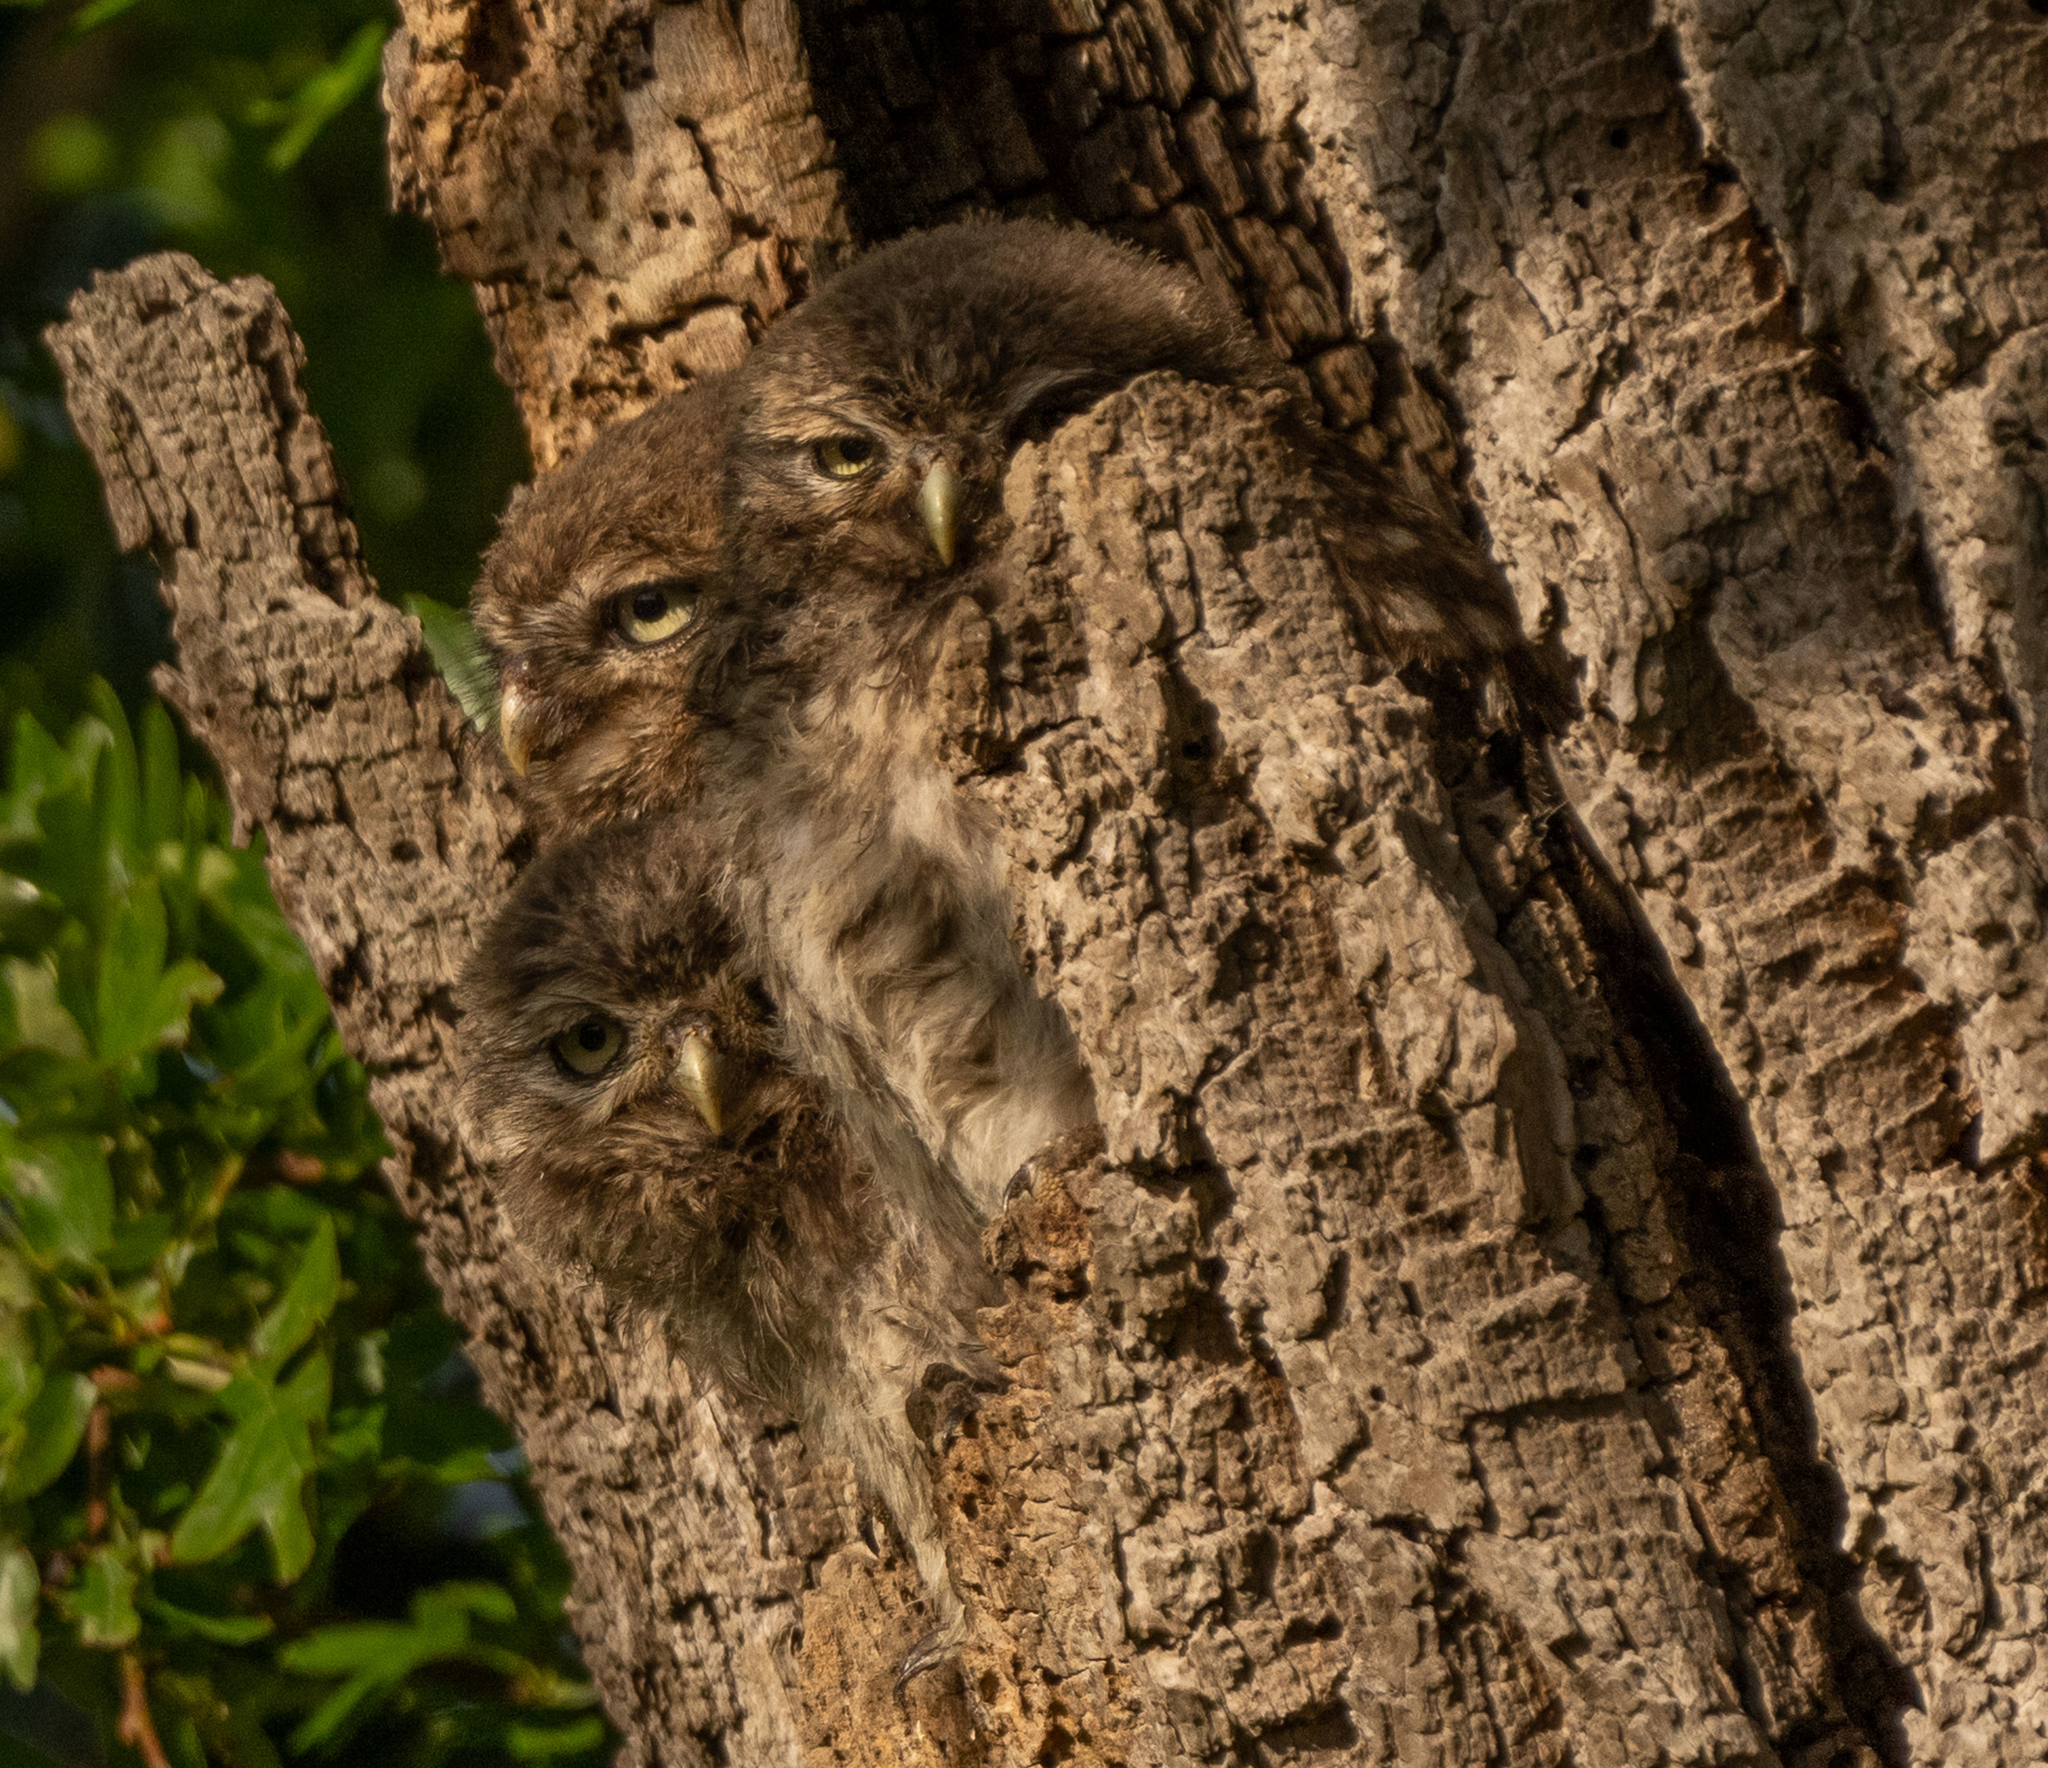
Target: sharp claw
(942,1642)
(1064,1153)
(944,1400)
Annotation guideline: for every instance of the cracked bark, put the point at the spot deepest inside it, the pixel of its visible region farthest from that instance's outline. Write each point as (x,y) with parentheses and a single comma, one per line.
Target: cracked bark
(1517,1319)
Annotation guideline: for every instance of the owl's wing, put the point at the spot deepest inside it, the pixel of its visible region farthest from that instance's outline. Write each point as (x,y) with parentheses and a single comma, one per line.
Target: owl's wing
(1420,589)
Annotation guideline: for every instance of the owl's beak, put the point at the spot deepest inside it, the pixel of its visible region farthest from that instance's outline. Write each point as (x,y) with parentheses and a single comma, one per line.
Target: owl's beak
(939,503)
(701,1075)
(515,726)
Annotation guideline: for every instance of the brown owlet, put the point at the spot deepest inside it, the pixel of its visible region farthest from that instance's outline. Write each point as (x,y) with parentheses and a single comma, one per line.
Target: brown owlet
(870,433)
(622,1070)
(586,601)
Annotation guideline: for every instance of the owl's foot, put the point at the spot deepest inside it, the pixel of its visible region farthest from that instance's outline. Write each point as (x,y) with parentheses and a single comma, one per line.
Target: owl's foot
(942,1402)
(935,1648)
(1062,1154)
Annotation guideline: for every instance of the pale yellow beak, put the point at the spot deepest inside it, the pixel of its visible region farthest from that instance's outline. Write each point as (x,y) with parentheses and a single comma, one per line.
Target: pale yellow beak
(939,503)
(515,728)
(701,1075)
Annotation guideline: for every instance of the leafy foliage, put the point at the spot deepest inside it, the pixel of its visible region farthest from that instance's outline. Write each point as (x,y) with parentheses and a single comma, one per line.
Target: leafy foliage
(247,133)
(225,1391)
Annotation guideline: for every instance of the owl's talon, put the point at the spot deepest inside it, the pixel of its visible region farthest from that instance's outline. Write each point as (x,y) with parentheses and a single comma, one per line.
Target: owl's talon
(933,1650)
(943,1401)
(1062,1154)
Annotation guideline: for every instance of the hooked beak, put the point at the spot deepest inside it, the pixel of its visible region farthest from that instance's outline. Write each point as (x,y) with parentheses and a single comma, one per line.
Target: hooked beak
(515,726)
(701,1075)
(939,503)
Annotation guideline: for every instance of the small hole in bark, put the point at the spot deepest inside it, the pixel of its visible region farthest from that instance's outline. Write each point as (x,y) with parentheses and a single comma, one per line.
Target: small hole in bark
(970,1507)
(660,221)
(1058,1745)
(1584,198)
(1378,1395)
(405,850)
(988,1685)
(1195,751)
(1617,138)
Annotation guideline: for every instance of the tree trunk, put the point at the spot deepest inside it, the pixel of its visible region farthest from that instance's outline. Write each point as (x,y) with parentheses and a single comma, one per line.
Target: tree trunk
(1565,1281)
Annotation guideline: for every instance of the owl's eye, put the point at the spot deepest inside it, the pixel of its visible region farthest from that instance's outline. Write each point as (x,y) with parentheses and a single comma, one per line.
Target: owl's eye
(651,612)
(589,1047)
(845,457)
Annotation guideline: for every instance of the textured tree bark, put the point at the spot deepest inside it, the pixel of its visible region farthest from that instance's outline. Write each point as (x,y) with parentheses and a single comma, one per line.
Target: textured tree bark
(1564,1283)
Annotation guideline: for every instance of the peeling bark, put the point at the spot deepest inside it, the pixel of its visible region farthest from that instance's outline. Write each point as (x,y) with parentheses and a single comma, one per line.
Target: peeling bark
(1564,1281)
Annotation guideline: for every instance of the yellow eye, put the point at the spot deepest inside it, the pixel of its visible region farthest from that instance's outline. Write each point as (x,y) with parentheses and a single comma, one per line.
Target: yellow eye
(651,612)
(846,457)
(590,1046)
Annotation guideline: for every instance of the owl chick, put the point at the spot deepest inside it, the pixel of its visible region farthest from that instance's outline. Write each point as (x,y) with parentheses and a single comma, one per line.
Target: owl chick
(622,1070)
(870,433)
(586,601)
(872,428)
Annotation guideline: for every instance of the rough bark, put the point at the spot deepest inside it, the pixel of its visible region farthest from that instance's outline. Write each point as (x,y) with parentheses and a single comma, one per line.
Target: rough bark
(1804,755)
(1518,1318)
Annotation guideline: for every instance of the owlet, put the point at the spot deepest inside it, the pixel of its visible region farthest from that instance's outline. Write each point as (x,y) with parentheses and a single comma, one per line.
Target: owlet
(623,1073)
(586,601)
(870,433)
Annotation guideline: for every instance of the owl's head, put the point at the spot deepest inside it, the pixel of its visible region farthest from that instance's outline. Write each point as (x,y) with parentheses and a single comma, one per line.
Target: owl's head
(872,426)
(588,601)
(621,1069)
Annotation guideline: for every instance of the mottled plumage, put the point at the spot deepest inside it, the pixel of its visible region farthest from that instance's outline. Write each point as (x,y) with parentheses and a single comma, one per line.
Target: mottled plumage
(946,349)
(870,434)
(623,1072)
(587,602)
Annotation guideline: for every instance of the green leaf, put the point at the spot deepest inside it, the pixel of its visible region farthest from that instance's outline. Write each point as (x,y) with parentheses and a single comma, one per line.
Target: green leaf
(183,1623)
(51,1429)
(31,1016)
(163,784)
(142,1005)
(41,766)
(460,657)
(544,1743)
(138,1243)
(100,12)
(28,916)
(262,1470)
(307,1301)
(102,1602)
(63,1194)
(376,1655)
(324,96)
(20,1643)
(116,785)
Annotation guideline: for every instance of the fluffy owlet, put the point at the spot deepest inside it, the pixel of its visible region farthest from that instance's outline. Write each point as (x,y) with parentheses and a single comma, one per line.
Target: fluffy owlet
(870,434)
(623,1072)
(586,601)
